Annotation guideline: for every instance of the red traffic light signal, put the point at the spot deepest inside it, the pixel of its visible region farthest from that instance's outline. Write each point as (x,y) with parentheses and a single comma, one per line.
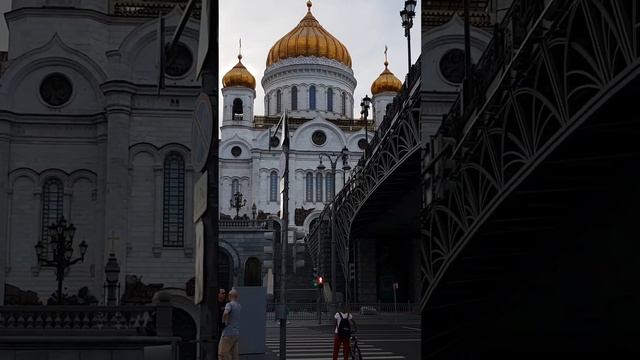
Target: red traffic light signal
(318,281)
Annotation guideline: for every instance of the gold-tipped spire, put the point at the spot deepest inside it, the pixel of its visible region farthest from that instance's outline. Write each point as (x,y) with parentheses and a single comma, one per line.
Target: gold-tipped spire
(386,81)
(239,75)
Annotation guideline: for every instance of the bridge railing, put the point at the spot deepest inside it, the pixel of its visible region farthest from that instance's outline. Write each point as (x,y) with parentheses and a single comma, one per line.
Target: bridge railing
(508,36)
(356,182)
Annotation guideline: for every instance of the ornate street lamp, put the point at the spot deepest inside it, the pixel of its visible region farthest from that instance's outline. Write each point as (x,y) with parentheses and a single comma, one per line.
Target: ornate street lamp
(365,104)
(61,240)
(407,16)
(112,274)
(237,202)
(344,155)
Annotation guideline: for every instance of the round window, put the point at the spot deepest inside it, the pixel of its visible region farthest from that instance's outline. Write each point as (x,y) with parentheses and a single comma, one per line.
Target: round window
(275,141)
(56,89)
(319,137)
(236,151)
(452,65)
(362,144)
(179,60)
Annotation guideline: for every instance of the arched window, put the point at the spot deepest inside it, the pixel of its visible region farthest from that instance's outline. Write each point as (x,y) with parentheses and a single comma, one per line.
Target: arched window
(278,101)
(52,209)
(330,99)
(330,187)
(273,186)
(173,202)
(224,269)
(344,103)
(294,98)
(252,272)
(268,104)
(237,108)
(235,186)
(319,184)
(312,97)
(309,187)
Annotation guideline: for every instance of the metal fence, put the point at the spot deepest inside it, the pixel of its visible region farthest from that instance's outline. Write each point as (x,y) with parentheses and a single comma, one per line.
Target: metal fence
(309,311)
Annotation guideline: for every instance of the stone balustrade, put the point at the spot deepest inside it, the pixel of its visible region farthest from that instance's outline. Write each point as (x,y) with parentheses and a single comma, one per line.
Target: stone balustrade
(86,320)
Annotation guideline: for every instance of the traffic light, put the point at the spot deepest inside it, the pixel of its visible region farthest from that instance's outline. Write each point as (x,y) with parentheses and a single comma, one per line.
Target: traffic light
(352,271)
(298,249)
(318,280)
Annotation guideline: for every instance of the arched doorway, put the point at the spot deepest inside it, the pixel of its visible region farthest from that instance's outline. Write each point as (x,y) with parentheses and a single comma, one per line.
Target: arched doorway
(252,272)
(224,269)
(185,327)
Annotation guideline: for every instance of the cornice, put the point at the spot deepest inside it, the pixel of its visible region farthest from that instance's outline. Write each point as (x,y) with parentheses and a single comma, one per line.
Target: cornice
(106,19)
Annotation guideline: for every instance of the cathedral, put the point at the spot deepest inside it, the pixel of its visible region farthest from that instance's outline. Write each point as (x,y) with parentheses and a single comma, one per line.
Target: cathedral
(86,134)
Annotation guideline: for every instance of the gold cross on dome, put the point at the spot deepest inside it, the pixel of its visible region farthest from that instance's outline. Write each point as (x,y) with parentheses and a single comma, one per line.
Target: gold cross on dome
(113,238)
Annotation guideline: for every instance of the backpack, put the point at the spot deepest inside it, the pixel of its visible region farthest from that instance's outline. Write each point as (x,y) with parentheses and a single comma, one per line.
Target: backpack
(344,328)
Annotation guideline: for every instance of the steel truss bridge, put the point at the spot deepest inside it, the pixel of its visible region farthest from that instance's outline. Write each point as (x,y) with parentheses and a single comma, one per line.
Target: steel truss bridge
(544,143)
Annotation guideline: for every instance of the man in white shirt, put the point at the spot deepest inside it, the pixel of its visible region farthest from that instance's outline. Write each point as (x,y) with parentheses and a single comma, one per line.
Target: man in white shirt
(342,332)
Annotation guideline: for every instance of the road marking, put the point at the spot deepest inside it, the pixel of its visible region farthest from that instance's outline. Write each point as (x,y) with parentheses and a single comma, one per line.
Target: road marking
(368,357)
(412,328)
(308,344)
(388,340)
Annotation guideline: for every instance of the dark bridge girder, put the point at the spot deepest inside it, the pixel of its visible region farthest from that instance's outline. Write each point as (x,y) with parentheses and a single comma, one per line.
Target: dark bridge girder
(551,266)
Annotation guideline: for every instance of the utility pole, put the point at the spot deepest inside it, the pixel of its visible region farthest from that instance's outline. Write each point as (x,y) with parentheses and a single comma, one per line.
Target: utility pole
(208,69)
(467,59)
(284,238)
(208,308)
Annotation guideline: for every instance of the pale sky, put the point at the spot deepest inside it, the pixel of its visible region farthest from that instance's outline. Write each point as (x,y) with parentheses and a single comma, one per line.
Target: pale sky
(364,26)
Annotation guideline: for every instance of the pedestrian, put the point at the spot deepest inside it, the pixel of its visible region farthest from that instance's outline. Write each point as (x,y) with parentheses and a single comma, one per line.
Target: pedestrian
(222,303)
(342,332)
(228,345)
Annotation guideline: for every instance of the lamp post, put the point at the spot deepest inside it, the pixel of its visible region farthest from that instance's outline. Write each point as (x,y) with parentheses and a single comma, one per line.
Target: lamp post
(61,236)
(407,23)
(237,202)
(112,273)
(365,104)
(344,155)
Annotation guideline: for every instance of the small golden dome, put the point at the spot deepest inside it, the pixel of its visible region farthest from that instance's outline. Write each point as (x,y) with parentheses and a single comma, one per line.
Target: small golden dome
(309,38)
(386,82)
(239,76)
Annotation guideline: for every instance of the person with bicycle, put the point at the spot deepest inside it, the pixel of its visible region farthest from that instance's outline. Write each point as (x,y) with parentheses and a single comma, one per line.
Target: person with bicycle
(342,332)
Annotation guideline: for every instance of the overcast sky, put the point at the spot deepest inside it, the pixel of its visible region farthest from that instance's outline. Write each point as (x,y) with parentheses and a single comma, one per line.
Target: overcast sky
(364,26)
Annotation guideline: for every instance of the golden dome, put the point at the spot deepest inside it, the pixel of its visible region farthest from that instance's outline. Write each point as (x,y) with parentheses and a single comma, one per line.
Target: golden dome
(309,38)
(239,76)
(386,82)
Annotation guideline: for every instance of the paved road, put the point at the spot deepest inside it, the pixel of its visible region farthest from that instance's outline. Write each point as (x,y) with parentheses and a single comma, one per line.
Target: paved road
(377,342)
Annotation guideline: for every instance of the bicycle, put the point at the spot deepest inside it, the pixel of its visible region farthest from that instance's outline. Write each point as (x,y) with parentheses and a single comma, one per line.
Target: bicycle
(355,349)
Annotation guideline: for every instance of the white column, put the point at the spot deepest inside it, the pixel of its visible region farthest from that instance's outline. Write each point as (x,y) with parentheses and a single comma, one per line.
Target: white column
(37,203)
(189,235)
(158,171)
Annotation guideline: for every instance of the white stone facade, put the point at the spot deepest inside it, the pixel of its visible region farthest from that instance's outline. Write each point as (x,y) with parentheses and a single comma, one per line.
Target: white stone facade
(109,144)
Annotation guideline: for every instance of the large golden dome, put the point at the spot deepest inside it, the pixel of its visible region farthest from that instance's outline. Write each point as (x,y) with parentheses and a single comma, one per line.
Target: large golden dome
(386,82)
(309,38)
(239,76)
